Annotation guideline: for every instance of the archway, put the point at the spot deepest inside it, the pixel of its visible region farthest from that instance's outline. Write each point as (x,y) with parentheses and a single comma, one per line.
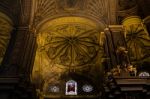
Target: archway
(68,46)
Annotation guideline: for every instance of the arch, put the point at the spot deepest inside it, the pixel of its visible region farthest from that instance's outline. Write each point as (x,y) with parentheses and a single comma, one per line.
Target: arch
(65,44)
(6,26)
(69,19)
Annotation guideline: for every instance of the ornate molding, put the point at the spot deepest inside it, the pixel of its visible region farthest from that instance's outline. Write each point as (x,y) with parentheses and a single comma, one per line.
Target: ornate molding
(97,10)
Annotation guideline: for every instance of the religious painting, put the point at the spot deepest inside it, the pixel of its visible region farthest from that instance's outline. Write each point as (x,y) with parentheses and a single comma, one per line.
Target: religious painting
(71,87)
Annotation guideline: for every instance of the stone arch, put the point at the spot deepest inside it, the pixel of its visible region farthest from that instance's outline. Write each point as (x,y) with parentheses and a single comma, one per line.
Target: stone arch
(66,44)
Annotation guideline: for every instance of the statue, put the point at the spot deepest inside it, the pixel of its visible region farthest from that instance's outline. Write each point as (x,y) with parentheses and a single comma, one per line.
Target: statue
(132,70)
(123,59)
(124,68)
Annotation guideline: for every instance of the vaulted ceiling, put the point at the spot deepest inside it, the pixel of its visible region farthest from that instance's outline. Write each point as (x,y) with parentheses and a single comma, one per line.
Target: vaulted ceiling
(144,7)
(13,7)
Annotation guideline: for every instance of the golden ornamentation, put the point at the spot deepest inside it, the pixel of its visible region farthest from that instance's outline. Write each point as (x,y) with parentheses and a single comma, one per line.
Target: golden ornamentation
(65,44)
(71,45)
(5,29)
(137,38)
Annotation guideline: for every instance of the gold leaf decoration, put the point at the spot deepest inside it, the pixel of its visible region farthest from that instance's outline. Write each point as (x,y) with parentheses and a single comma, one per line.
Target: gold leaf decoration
(71,45)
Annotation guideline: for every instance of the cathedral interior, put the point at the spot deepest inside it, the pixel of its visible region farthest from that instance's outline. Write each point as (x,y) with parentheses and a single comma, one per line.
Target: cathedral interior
(74,49)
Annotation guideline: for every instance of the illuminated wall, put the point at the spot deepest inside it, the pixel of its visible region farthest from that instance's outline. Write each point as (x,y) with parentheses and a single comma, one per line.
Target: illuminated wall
(69,42)
(67,45)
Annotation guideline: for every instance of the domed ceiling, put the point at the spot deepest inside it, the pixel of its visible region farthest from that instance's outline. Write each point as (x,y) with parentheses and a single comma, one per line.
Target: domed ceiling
(97,10)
